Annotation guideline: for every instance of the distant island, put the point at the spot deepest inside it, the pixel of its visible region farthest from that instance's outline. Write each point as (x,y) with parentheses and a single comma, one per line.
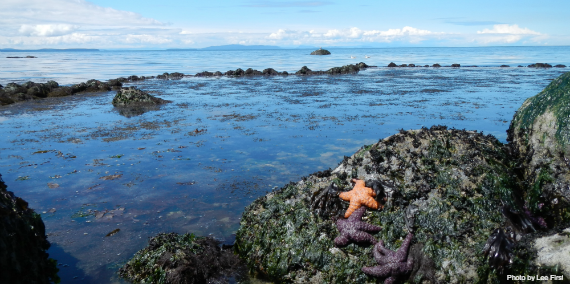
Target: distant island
(46,49)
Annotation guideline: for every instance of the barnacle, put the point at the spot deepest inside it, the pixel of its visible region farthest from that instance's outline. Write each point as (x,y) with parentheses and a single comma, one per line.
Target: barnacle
(499,248)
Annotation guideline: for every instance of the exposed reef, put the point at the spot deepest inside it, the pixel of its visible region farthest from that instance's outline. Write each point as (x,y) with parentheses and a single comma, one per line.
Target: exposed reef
(320,51)
(23,243)
(183,259)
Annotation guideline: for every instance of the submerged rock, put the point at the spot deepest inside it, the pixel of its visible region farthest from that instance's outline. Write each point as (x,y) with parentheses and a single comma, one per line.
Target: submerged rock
(23,243)
(185,259)
(320,51)
(133,96)
(539,135)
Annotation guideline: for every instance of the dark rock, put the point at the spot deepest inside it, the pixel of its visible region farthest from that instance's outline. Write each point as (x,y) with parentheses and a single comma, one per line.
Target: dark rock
(347,69)
(321,51)
(404,65)
(304,71)
(457,179)
(411,65)
(122,79)
(28,56)
(183,259)
(392,64)
(5,99)
(23,243)
(230,73)
(270,72)
(363,65)
(90,86)
(239,72)
(503,66)
(115,83)
(540,65)
(455,65)
(164,76)
(218,73)
(133,96)
(436,65)
(61,92)
(204,74)
(252,72)
(520,66)
(133,78)
(539,135)
(560,66)
(285,73)
(426,65)
(176,75)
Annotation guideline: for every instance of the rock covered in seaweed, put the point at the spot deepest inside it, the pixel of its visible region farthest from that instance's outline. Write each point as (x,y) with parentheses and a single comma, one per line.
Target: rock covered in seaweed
(133,96)
(182,259)
(539,135)
(23,243)
(320,51)
(457,179)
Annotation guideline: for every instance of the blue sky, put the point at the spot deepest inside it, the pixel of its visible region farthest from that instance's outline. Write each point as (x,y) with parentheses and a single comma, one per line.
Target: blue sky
(160,24)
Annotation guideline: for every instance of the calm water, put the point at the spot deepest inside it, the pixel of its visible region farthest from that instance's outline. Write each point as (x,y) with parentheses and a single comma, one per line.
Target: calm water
(74,67)
(194,164)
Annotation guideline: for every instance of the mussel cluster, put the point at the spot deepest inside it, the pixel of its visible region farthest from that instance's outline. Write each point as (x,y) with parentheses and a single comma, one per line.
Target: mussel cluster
(326,203)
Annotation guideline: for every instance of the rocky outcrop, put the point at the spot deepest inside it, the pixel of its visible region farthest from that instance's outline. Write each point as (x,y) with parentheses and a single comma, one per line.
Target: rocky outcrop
(320,51)
(14,92)
(483,210)
(183,259)
(458,181)
(132,96)
(540,65)
(23,243)
(347,69)
(170,76)
(539,135)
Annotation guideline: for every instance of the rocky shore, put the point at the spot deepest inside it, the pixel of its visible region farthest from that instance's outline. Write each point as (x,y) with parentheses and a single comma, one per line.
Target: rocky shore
(482,210)
(13,92)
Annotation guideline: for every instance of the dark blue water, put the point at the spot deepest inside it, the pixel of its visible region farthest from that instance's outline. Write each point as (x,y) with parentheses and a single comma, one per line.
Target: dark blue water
(194,164)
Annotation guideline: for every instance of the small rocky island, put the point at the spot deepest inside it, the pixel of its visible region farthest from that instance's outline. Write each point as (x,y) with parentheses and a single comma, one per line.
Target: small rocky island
(321,51)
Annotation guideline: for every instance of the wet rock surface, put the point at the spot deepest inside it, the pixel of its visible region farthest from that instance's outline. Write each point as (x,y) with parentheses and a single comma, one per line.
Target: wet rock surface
(458,180)
(540,136)
(132,96)
(23,243)
(174,258)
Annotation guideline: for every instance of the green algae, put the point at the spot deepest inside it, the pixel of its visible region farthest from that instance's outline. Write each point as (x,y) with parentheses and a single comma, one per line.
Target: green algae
(458,179)
(554,98)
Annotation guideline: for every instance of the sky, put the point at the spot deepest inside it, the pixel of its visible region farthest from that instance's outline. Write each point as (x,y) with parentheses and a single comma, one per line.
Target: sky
(162,24)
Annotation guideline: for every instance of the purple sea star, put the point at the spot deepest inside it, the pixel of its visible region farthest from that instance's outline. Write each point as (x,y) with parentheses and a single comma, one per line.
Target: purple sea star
(353,229)
(391,264)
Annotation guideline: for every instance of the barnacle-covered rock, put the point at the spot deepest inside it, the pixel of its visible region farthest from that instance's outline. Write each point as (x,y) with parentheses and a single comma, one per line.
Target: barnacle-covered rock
(182,259)
(455,180)
(539,135)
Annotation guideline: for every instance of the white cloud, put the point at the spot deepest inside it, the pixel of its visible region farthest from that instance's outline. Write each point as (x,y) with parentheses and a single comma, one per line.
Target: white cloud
(407,34)
(508,29)
(73,12)
(144,38)
(47,30)
(508,34)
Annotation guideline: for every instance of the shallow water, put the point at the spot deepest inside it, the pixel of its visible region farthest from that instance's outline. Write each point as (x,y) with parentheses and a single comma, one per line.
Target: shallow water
(194,164)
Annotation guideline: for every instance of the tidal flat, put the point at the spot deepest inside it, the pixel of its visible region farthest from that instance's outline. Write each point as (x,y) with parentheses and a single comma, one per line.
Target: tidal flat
(194,164)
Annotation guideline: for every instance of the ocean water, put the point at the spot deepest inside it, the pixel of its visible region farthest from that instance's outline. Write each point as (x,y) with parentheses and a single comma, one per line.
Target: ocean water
(74,67)
(194,164)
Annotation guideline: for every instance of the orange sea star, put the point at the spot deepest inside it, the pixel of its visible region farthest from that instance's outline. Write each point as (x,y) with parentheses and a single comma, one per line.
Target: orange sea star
(358,196)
